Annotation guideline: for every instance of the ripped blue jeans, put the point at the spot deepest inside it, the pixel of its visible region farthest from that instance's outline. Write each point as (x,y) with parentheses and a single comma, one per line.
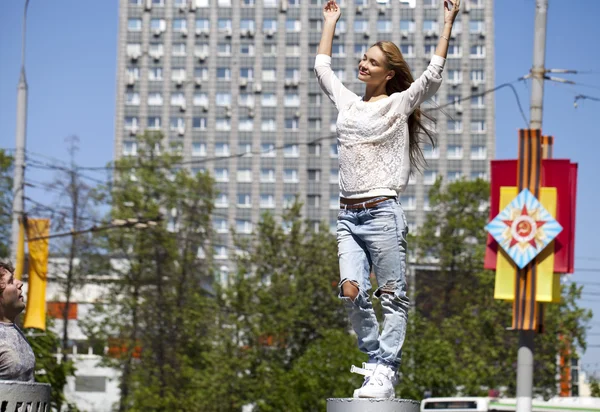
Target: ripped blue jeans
(375,238)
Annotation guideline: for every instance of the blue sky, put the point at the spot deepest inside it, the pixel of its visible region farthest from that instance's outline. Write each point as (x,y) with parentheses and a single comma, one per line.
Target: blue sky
(71,68)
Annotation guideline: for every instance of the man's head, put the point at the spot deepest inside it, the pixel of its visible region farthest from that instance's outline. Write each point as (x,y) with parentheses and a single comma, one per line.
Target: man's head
(11,299)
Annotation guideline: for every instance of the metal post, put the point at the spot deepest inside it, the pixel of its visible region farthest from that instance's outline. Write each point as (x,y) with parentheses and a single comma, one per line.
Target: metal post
(21,132)
(538,71)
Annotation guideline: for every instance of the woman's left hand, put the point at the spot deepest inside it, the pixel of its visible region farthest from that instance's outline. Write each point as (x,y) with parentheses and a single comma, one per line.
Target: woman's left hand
(451,8)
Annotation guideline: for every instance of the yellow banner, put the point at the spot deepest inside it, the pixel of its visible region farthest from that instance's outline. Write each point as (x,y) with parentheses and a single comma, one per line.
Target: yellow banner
(547,282)
(35,315)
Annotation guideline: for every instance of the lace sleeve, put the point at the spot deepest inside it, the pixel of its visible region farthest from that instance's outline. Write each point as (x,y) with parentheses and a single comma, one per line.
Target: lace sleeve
(331,84)
(422,88)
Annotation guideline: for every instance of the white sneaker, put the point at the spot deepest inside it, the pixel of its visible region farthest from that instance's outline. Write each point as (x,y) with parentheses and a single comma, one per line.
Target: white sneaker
(379,385)
(366,370)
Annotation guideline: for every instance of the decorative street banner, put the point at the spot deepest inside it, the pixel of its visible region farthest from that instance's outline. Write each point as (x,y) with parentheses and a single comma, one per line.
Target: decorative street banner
(524,228)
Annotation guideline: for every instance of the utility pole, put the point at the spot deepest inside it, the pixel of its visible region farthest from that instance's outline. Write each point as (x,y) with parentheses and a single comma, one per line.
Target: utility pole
(21,132)
(538,72)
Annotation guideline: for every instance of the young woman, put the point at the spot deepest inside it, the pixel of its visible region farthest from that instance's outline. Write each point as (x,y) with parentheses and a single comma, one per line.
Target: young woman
(378,147)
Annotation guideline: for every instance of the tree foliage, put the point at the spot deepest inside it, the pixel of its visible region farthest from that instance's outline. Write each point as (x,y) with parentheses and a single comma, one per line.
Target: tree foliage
(6,199)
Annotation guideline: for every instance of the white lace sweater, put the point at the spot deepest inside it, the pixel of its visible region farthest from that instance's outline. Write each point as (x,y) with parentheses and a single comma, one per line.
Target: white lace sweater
(373,137)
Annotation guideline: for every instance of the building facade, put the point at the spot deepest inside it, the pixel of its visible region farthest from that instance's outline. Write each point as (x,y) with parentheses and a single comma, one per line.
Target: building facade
(230,85)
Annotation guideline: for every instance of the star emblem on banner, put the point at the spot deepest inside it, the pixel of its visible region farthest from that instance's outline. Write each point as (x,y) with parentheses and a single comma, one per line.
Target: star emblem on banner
(524,228)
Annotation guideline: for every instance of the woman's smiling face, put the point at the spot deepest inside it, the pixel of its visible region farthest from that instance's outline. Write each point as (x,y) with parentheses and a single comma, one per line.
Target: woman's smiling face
(372,68)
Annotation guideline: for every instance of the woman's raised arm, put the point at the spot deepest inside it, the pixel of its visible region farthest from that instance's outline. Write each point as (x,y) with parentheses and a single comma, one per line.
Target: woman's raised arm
(331,13)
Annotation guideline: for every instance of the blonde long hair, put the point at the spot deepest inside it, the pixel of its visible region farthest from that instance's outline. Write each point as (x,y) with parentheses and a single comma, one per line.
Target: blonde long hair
(399,83)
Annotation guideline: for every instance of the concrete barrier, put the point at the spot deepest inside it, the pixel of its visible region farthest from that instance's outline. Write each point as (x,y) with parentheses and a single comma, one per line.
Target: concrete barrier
(371,405)
(14,395)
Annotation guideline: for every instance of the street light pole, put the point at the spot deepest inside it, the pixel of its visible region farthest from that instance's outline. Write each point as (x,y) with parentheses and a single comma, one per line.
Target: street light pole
(21,132)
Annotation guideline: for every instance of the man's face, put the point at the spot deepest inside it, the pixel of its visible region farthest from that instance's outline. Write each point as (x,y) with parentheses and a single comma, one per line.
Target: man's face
(11,298)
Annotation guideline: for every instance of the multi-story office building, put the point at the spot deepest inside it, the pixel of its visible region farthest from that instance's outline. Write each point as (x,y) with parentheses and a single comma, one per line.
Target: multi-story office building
(230,84)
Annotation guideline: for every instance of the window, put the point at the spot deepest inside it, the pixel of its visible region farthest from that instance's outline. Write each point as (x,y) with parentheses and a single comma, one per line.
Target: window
(221,200)
(334,176)
(430,4)
(221,174)
(269,25)
(178,49)
(179,25)
(455,152)
(426,205)
(408,202)
(155,99)
(288,200)
(243,226)
(155,50)
(290,175)
(314,149)
(176,123)
(294,3)
(247,49)
(478,51)
(314,201)
(244,175)
(222,149)
(154,123)
(429,50)
(245,149)
(134,24)
(407,26)
(198,149)
(454,126)
(224,49)
(430,152)
(291,100)
(178,74)
(292,26)
(477,101)
(384,26)
(476,4)
(429,177)
(478,152)
(247,24)
(454,175)
(177,99)
(246,124)
(224,3)
(129,148)
(314,100)
(203,25)
(244,200)
(476,26)
(269,100)
(268,125)
(267,175)
(270,3)
(220,252)
(224,25)
(269,75)
(454,76)
(248,3)
(267,150)
(337,50)
(158,25)
(246,100)
(340,27)
(201,99)
(408,50)
(247,73)
(133,72)
(199,123)
(132,98)
(360,49)
(478,126)
(314,124)
(361,26)
(478,175)
(270,50)
(223,125)
(477,76)
(292,50)
(410,4)
(223,99)
(292,124)
(201,73)
(291,151)
(333,150)
(134,50)
(430,27)
(454,100)
(220,225)
(159,3)
(315,25)
(292,74)
(334,201)
(314,175)
(223,73)
(135,2)
(454,51)
(267,201)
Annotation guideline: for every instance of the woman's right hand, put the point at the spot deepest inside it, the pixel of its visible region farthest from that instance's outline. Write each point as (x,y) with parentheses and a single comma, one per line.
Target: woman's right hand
(331,11)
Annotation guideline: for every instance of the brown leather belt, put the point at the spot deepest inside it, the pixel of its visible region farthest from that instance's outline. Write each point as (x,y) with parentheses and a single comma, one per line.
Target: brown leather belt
(364,204)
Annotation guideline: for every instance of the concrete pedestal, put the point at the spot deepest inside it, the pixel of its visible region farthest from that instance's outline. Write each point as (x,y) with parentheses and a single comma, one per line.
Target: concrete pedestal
(371,405)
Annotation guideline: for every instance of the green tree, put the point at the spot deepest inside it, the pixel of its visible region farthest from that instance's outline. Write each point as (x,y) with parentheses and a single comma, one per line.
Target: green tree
(6,199)
(156,314)
(594,388)
(455,308)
